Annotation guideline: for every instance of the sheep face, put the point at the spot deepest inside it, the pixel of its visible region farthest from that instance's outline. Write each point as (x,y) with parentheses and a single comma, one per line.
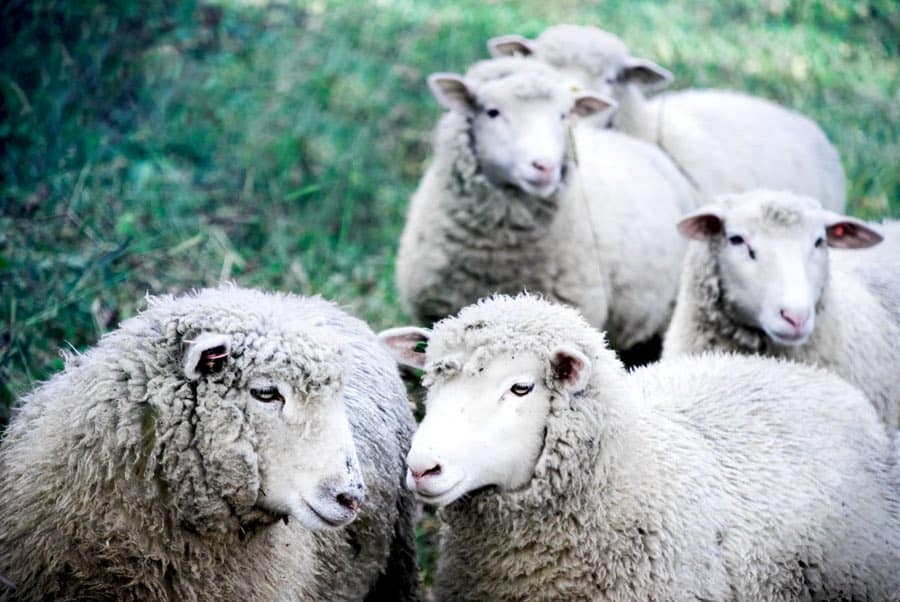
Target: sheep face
(481,430)
(519,126)
(289,392)
(770,253)
(485,428)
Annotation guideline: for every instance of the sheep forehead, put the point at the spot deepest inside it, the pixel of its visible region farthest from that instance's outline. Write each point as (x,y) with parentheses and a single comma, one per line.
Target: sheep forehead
(285,336)
(501,67)
(521,88)
(780,214)
(501,325)
(588,47)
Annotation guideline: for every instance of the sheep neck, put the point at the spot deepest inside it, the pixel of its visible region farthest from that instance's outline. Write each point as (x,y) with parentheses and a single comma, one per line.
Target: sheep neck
(636,116)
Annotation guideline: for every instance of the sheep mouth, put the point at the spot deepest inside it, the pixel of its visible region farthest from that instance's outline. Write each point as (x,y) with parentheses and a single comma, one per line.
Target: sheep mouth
(788,339)
(442,498)
(330,521)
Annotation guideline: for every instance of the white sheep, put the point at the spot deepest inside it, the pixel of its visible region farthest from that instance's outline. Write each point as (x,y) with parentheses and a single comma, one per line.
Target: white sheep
(760,278)
(505,207)
(210,449)
(563,477)
(724,141)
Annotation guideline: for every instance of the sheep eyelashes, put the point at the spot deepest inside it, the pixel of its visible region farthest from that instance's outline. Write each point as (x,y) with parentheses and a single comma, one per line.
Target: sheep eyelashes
(708,477)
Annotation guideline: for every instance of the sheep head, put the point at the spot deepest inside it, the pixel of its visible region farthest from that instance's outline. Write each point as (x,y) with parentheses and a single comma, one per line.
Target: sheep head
(518,120)
(258,431)
(490,399)
(770,250)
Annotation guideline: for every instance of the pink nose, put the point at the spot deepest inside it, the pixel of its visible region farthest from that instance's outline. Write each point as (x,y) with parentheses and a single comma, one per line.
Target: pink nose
(545,167)
(420,472)
(795,318)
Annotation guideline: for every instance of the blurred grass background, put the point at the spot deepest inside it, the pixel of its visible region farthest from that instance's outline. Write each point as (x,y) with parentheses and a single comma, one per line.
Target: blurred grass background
(162,146)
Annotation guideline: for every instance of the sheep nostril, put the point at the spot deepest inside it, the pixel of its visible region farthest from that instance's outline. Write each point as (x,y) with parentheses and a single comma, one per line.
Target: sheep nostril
(421,474)
(542,166)
(348,501)
(794,319)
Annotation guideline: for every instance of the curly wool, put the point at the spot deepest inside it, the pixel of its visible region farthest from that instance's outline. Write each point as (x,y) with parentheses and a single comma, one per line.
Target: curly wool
(684,480)
(120,479)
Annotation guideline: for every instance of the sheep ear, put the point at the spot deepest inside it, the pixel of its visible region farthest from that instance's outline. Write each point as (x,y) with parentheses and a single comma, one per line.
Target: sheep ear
(206,354)
(702,223)
(452,92)
(570,367)
(588,104)
(845,232)
(646,74)
(407,344)
(510,45)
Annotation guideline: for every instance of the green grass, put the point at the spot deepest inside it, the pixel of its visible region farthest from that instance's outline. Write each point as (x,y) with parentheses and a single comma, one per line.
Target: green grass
(276,145)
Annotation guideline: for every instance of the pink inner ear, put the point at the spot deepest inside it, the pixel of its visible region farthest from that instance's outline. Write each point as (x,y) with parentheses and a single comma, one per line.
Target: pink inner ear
(407,345)
(570,368)
(849,235)
(562,368)
(700,227)
(212,359)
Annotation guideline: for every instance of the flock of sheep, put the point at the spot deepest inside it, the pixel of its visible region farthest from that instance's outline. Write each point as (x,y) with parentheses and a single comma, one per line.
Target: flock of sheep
(241,445)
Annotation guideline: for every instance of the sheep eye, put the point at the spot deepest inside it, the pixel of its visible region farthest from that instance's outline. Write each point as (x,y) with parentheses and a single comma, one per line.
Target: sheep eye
(736,240)
(521,389)
(563,116)
(492,113)
(819,242)
(267,394)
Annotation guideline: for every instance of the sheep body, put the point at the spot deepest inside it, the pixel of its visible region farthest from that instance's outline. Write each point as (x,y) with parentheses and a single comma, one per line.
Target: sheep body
(603,241)
(714,477)
(718,138)
(117,481)
(725,141)
(857,314)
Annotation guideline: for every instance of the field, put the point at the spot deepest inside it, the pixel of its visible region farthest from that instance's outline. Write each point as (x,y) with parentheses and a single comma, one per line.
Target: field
(176,144)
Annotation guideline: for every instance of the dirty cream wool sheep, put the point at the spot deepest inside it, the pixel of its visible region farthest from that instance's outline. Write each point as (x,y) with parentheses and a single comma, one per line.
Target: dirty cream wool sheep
(724,141)
(563,477)
(212,448)
(773,273)
(505,207)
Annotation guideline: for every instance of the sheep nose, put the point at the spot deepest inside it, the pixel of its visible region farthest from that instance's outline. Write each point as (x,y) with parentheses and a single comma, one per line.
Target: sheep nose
(420,472)
(795,318)
(350,499)
(543,166)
